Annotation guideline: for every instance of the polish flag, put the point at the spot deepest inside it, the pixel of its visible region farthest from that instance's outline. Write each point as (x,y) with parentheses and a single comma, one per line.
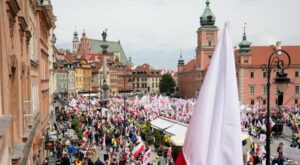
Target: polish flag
(214,134)
(138,149)
(146,158)
(86,133)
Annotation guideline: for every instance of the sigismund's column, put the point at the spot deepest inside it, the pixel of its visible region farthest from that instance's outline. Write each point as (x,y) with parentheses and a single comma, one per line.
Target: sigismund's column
(104,47)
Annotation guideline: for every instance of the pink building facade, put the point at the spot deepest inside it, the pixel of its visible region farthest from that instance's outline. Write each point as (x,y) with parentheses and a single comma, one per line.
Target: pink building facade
(23,107)
(252,79)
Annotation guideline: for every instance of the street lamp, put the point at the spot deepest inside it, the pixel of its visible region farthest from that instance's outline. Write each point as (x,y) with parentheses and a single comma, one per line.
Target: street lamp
(124,87)
(275,61)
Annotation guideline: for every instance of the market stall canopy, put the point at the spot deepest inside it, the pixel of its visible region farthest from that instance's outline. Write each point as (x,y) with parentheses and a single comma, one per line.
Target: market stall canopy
(176,130)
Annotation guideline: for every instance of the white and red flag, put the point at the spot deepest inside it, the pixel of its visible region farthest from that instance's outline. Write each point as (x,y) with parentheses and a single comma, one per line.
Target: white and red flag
(146,157)
(138,149)
(214,134)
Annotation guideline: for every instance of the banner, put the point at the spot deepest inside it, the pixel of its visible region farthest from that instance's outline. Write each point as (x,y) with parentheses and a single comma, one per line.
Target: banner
(49,145)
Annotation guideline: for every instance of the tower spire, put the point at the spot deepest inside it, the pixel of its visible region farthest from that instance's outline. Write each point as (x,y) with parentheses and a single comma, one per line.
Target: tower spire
(181,60)
(244,44)
(207,18)
(207,2)
(180,53)
(244,35)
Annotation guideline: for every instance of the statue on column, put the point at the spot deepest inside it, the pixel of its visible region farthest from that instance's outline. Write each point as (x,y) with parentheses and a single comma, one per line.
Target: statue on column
(104,35)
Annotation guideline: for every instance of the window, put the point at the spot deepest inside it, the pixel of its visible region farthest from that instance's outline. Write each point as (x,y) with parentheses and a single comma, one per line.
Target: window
(297,89)
(35,97)
(252,89)
(264,89)
(264,101)
(296,101)
(252,102)
(264,74)
(209,38)
(246,61)
(297,74)
(251,74)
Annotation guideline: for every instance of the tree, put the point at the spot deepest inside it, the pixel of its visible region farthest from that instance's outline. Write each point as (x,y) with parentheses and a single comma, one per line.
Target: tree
(167,84)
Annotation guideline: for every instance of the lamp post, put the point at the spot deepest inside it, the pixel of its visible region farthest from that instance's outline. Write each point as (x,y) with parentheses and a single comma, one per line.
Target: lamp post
(124,86)
(89,94)
(275,62)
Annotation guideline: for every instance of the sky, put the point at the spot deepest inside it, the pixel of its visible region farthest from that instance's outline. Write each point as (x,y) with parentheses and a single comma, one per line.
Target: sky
(155,31)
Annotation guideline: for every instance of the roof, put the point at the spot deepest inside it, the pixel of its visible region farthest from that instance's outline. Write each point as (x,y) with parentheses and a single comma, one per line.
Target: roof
(113,47)
(190,66)
(70,57)
(146,70)
(207,18)
(261,54)
(144,67)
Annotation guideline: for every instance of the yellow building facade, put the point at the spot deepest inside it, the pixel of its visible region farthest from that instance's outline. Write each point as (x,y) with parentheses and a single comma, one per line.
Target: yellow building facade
(83,77)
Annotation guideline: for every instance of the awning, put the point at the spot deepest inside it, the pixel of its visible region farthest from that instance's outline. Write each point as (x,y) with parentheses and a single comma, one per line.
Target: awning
(177,130)
(174,128)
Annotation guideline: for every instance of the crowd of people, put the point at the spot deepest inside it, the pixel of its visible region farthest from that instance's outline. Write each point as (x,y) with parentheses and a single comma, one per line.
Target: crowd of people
(254,123)
(87,133)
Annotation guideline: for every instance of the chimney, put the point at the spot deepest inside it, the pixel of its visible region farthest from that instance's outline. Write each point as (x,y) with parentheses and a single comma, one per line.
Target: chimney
(278,46)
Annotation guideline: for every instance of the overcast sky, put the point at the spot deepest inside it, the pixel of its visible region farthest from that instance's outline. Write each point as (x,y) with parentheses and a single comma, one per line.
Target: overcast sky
(154,31)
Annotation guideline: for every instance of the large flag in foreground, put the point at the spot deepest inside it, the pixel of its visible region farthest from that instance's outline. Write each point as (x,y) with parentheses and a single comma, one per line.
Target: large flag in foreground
(214,133)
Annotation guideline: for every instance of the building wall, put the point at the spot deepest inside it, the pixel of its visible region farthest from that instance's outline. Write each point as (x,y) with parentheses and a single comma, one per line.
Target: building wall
(45,24)
(207,40)
(83,77)
(62,82)
(255,77)
(124,79)
(153,84)
(52,60)
(188,86)
(146,84)
(71,81)
(20,81)
(113,80)
(78,79)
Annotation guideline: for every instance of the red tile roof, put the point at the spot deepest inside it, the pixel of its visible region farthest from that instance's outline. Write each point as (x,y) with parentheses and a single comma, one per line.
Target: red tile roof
(70,57)
(144,67)
(260,54)
(190,66)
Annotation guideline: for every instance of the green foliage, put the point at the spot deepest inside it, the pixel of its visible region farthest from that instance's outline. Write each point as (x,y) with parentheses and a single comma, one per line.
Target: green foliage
(175,152)
(159,139)
(167,84)
(75,124)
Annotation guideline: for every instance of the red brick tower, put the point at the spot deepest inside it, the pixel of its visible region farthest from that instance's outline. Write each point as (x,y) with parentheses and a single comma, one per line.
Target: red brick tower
(207,37)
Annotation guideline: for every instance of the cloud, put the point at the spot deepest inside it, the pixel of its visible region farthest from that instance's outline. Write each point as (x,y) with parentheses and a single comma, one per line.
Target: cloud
(154,31)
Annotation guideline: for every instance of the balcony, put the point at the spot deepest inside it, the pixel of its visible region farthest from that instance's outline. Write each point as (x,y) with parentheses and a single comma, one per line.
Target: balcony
(4,124)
